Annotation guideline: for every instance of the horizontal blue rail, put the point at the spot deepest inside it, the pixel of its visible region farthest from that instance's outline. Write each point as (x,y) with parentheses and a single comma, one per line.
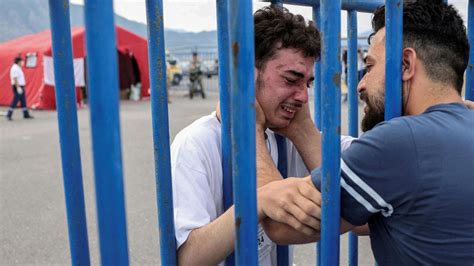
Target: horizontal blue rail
(357,5)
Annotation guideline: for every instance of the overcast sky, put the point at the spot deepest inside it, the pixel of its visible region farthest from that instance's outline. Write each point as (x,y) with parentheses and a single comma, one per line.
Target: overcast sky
(200,15)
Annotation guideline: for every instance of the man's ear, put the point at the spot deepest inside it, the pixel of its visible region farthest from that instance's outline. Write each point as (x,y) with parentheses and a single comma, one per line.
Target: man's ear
(408,63)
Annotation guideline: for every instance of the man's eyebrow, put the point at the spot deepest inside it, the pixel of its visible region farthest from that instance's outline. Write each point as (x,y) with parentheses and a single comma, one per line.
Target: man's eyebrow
(295,73)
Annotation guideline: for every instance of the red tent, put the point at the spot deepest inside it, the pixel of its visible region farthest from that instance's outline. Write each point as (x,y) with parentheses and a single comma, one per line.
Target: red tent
(36,49)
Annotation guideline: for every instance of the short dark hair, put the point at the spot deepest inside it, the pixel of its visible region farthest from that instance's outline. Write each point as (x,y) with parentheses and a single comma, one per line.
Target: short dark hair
(437,33)
(276,28)
(17,59)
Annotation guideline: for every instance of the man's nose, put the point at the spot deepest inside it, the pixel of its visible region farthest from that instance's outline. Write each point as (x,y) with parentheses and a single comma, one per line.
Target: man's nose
(301,95)
(361,85)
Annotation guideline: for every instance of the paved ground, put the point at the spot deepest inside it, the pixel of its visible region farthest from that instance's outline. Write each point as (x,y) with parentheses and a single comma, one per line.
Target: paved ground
(32,209)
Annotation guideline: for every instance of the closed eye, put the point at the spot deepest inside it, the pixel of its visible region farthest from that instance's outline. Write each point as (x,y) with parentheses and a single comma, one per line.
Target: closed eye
(290,80)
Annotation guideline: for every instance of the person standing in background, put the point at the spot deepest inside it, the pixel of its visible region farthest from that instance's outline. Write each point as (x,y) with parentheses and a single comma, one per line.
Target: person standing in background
(17,78)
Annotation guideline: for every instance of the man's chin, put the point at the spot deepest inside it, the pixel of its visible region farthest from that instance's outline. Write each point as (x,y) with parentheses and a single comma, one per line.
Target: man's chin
(278,124)
(369,121)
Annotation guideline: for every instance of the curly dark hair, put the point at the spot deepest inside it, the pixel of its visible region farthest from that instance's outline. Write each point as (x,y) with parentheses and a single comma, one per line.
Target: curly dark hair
(437,33)
(277,28)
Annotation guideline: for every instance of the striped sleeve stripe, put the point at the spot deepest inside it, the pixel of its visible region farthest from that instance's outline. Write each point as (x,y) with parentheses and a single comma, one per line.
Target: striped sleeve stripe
(358,197)
(386,208)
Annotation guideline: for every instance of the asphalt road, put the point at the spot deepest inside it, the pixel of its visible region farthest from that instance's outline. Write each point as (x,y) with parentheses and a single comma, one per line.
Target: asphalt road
(32,206)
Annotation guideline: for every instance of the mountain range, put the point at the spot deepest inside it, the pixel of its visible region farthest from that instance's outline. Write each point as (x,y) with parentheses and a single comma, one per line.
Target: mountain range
(22,17)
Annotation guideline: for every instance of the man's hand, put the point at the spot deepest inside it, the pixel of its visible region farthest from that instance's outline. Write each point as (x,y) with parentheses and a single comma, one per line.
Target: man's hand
(305,136)
(260,117)
(469,104)
(301,122)
(293,201)
(218,111)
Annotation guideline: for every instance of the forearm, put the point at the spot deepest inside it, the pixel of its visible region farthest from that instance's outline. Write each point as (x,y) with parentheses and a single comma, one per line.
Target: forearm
(469,104)
(308,144)
(210,244)
(361,230)
(283,234)
(266,169)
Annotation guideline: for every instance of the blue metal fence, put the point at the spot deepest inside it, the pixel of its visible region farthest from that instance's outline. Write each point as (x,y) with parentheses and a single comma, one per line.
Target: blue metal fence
(317,74)
(352,81)
(470,67)
(105,125)
(160,124)
(222,9)
(393,65)
(68,132)
(330,128)
(236,56)
(243,131)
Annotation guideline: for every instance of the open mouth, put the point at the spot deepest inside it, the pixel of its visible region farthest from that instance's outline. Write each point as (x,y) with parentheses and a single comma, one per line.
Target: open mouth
(288,109)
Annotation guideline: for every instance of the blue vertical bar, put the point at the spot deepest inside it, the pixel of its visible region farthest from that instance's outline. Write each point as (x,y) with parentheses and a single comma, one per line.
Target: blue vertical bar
(224,87)
(318,253)
(223,43)
(105,124)
(317,75)
(243,131)
(331,127)
(353,249)
(393,59)
(352,81)
(470,66)
(68,131)
(283,258)
(160,123)
(317,101)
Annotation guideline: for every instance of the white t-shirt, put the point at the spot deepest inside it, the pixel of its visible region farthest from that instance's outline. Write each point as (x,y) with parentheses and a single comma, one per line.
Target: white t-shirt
(16,72)
(197,179)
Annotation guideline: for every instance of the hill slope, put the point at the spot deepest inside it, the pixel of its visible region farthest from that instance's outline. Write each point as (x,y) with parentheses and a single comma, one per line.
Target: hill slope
(22,17)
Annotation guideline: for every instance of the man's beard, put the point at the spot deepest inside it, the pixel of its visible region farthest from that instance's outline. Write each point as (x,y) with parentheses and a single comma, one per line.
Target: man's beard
(375,113)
